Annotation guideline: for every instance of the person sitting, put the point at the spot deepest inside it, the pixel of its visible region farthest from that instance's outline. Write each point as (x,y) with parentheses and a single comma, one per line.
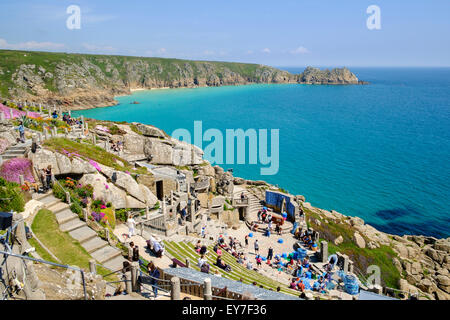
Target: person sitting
(201,261)
(249,265)
(301,286)
(198,246)
(293,284)
(203,250)
(222,265)
(157,249)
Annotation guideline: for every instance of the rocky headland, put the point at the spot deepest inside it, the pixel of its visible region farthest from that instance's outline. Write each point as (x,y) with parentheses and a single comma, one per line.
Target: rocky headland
(81,81)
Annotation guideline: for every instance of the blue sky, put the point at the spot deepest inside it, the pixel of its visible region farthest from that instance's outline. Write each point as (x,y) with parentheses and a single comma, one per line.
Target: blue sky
(277,33)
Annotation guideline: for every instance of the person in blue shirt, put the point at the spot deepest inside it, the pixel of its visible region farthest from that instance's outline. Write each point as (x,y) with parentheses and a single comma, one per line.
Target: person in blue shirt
(155,274)
(21,129)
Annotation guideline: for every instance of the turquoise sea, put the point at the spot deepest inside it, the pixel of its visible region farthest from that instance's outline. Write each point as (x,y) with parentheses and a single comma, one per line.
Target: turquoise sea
(379,151)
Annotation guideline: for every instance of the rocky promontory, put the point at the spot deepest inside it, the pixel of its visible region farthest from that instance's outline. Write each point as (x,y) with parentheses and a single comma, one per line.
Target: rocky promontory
(81,81)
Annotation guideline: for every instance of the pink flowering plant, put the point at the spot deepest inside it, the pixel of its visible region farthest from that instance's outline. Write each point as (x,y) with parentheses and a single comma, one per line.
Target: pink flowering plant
(11,169)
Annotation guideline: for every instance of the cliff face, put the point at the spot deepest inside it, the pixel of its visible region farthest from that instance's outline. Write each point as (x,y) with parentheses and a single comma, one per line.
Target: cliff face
(78,81)
(336,76)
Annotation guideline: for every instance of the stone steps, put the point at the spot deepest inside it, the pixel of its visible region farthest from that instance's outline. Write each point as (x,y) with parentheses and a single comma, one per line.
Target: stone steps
(57,207)
(105,254)
(72,225)
(94,244)
(48,199)
(65,216)
(114,264)
(83,234)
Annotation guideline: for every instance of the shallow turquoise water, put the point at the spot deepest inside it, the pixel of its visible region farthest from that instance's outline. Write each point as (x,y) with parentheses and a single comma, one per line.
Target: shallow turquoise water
(380,151)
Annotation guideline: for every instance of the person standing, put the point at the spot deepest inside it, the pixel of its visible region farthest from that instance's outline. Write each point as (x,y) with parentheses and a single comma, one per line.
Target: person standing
(246,240)
(48,177)
(270,253)
(154,273)
(256,246)
(131,226)
(21,132)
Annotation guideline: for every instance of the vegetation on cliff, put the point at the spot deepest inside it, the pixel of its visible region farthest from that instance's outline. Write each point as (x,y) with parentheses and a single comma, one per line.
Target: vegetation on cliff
(85,80)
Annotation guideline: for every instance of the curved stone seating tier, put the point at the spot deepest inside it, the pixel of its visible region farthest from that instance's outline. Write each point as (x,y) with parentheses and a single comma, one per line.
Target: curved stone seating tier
(285,228)
(185,250)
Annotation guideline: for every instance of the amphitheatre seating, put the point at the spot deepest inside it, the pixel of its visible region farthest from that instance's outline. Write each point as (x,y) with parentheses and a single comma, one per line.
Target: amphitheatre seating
(186,250)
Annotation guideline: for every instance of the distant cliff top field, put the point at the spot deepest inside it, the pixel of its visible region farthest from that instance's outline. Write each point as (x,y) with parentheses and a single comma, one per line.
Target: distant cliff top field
(78,81)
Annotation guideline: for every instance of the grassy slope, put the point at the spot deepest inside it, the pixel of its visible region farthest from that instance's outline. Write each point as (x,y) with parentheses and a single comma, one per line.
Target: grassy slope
(10,60)
(362,258)
(63,246)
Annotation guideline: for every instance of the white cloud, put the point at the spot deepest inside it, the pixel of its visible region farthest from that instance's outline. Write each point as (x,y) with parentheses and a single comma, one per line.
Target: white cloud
(30,45)
(162,50)
(95,48)
(299,50)
(208,53)
(266,50)
(249,52)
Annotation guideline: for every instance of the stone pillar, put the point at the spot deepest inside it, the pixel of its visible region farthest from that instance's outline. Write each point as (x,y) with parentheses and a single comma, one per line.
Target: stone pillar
(92,266)
(20,233)
(324,251)
(350,266)
(107,144)
(85,214)
(34,138)
(70,114)
(40,108)
(66,132)
(11,115)
(40,137)
(68,197)
(107,235)
(345,263)
(207,293)
(21,180)
(128,282)
(175,291)
(94,139)
(134,276)
(49,112)
(45,133)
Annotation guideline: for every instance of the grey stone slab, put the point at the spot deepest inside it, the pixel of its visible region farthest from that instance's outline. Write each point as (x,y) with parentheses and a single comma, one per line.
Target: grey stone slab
(83,234)
(106,253)
(65,216)
(72,225)
(94,244)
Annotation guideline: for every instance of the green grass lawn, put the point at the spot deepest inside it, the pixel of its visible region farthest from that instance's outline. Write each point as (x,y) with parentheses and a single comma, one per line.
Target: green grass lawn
(88,151)
(61,244)
(361,257)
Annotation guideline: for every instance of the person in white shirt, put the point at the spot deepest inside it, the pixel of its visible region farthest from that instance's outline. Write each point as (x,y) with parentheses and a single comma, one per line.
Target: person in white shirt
(131,226)
(201,261)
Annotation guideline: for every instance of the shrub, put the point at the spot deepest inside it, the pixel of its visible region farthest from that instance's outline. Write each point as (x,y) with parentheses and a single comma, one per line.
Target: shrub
(11,197)
(122,215)
(77,209)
